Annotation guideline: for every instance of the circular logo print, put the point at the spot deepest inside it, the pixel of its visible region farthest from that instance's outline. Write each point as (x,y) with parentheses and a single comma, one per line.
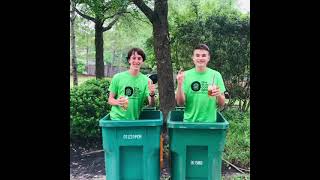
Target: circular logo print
(128,91)
(195,86)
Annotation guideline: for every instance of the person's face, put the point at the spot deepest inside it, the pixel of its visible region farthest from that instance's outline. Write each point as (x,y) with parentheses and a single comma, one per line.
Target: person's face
(200,58)
(135,61)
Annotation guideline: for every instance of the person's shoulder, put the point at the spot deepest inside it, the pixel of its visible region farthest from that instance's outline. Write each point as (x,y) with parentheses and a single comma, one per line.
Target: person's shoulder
(211,70)
(214,71)
(144,76)
(192,70)
(141,75)
(119,75)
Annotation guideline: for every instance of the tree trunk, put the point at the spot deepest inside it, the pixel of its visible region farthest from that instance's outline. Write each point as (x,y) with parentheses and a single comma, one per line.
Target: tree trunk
(162,52)
(159,19)
(73,46)
(99,49)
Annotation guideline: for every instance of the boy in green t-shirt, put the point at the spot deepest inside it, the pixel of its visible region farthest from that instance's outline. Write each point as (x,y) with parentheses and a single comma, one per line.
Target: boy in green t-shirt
(129,89)
(200,89)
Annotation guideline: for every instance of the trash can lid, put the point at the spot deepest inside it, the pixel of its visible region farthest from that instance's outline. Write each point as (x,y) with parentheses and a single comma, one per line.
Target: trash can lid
(147,118)
(177,122)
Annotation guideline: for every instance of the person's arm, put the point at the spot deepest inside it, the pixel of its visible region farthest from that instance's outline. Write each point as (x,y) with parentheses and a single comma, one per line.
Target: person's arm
(115,102)
(221,99)
(151,96)
(180,96)
(219,92)
(151,100)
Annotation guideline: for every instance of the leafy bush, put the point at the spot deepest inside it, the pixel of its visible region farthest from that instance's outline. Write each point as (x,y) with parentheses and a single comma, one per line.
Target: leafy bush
(81,67)
(88,104)
(237,149)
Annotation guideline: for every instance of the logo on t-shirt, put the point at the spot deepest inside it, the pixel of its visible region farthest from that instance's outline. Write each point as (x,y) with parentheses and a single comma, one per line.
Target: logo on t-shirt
(128,91)
(196,86)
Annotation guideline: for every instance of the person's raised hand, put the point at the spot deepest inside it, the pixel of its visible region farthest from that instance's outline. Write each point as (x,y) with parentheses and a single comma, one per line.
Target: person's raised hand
(151,87)
(180,77)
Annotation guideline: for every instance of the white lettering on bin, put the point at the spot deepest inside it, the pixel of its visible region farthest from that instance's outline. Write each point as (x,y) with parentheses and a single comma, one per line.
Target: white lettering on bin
(196,163)
(132,136)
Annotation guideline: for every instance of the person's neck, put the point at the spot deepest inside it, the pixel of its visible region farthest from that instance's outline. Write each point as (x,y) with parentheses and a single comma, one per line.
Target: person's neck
(201,69)
(134,72)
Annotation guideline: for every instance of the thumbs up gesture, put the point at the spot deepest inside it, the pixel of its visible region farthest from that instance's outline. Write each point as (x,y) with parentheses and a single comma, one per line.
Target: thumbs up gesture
(151,87)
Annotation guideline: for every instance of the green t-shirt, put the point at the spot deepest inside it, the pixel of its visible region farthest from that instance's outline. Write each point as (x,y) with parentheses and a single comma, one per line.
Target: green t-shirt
(198,106)
(135,88)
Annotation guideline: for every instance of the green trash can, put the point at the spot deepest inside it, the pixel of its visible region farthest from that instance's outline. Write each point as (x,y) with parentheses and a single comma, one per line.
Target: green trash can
(196,148)
(147,108)
(132,147)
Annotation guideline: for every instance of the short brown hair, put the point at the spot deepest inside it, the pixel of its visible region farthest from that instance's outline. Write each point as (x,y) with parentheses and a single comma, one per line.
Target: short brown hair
(138,50)
(203,47)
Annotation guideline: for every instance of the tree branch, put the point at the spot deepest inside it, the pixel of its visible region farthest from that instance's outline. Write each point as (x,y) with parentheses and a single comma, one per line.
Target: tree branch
(140,19)
(85,16)
(145,9)
(92,152)
(118,13)
(111,24)
(107,6)
(237,168)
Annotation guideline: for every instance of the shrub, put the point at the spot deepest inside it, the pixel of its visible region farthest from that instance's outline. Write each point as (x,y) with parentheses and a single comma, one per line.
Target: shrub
(88,104)
(237,149)
(81,67)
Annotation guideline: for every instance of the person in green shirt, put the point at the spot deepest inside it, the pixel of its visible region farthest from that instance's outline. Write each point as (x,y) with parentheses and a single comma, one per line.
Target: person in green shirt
(200,89)
(129,89)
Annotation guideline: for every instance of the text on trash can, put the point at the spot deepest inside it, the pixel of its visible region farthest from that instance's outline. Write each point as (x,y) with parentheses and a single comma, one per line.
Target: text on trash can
(132,136)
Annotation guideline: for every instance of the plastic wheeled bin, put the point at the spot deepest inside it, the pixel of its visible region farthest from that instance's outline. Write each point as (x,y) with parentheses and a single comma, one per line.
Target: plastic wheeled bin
(131,147)
(196,148)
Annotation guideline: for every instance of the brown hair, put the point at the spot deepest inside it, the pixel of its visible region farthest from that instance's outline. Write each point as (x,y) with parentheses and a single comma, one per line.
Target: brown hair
(203,47)
(139,51)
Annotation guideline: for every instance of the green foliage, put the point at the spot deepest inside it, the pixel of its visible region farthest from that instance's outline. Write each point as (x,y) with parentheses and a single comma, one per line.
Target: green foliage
(237,149)
(85,48)
(130,31)
(120,42)
(102,9)
(151,58)
(80,66)
(88,104)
